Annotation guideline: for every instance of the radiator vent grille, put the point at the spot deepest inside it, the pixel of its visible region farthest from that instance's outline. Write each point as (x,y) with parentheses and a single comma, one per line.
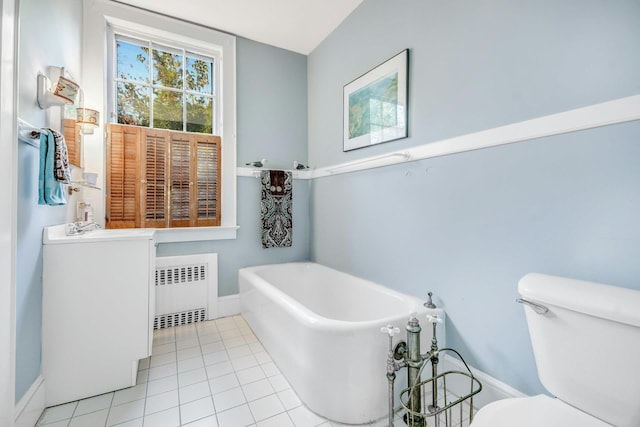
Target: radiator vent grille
(181,292)
(181,274)
(183,318)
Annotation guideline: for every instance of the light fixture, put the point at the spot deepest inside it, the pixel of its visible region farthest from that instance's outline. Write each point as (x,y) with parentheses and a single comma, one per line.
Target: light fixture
(88,119)
(64,92)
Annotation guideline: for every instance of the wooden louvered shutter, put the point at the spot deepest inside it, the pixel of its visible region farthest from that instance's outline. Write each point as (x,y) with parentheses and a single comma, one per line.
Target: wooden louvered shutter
(71,131)
(160,178)
(153,203)
(182,181)
(208,180)
(123,179)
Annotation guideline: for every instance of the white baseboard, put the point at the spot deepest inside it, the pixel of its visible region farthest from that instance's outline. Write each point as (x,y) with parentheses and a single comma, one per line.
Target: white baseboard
(229,305)
(492,389)
(31,406)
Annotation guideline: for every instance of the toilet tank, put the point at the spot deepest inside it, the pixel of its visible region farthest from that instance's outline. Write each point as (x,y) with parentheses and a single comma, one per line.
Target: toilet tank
(587,346)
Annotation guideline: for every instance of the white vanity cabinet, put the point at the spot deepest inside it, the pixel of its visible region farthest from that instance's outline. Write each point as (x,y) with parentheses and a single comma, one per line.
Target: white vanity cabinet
(98,308)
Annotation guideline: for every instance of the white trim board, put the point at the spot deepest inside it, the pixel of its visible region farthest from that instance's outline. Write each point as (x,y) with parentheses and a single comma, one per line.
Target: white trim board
(32,404)
(604,114)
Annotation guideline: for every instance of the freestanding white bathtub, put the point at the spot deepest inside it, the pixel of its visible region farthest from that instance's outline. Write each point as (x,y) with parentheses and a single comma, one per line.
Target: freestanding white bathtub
(322,329)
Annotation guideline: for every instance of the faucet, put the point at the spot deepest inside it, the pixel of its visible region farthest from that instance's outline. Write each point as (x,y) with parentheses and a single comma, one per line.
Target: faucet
(76,228)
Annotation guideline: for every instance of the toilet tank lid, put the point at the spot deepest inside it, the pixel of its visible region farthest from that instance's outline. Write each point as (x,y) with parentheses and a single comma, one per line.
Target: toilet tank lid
(595,299)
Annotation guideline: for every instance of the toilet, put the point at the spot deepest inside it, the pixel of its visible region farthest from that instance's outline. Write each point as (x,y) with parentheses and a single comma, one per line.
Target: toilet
(586,342)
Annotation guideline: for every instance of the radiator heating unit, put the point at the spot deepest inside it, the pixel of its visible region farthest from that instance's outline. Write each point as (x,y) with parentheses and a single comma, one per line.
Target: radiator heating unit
(186,289)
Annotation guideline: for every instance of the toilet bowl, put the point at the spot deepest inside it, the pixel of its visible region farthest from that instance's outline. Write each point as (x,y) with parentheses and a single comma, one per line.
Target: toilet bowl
(586,342)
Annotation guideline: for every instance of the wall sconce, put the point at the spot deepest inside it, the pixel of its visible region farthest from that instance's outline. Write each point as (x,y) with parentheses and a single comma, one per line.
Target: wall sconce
(64,92)
(88,119)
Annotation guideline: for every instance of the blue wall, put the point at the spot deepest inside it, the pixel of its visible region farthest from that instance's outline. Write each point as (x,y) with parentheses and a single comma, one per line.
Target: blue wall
(64,19)
(468,226)
(272,124)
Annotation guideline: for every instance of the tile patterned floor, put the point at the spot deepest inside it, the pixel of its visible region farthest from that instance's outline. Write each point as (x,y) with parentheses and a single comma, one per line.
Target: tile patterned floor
(209,374)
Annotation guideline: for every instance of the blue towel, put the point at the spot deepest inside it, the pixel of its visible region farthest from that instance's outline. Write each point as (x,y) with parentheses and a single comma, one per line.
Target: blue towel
(50,190)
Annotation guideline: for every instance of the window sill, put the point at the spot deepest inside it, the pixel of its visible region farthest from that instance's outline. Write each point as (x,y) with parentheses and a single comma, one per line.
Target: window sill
(194,234)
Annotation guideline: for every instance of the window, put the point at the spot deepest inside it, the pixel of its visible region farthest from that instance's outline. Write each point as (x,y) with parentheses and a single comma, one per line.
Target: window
(164,87)
(163,165)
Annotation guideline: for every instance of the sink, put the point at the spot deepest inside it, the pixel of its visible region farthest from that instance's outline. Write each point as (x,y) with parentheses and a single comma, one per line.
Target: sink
(56,234)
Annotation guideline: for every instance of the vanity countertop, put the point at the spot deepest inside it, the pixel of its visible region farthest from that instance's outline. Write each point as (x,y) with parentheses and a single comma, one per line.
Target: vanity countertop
(56,234)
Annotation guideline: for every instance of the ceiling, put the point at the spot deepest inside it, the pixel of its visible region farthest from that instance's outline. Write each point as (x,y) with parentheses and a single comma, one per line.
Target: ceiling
(297,25)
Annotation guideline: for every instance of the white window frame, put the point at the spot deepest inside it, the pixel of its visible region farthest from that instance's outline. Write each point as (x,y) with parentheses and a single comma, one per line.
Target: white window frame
(102,17)
(214,52)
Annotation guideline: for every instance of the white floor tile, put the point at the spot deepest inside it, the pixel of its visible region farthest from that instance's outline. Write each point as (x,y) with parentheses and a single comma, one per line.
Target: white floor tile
(263,358)
(213,347)
(302,417)
(59,413)
(244,362)
(143,376)
(93,419)
(162,385)
(240,416)
(257,389)
(188,353)
(204,422)
(279,383)
(234,342)
(138,422)
(281,420)
(162,371)
(223,383)
(161,402)
(256,347)
(225,323)
(93,404)
(196,410)
(127,412)
(129,394)
(228,399)
(166,418)
(289,399)
(190,364)
(162,359)
(219,369)
(163,348)
(230,333)
(187,343)
(215,357)
(194,392)
(239,351)
(209,337)
(192,377)
(266,407)
(144,363)
(249,375)
(270,369)
(63,423)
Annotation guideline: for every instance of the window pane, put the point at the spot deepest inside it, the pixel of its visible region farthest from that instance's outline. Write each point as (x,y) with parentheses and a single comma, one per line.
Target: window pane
(199,75)
(167,109)
(199,114)
(167,69)
(133,61)
(132,104)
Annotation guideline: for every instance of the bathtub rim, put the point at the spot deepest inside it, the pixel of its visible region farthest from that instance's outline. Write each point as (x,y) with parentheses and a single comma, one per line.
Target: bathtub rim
(318,322)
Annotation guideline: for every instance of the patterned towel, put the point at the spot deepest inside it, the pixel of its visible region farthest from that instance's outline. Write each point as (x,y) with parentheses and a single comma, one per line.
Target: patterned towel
(50,190)
(276,207)
(61,169)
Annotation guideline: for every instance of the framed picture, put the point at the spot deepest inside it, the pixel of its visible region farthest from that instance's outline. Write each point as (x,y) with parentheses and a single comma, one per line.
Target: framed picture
(375,104)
